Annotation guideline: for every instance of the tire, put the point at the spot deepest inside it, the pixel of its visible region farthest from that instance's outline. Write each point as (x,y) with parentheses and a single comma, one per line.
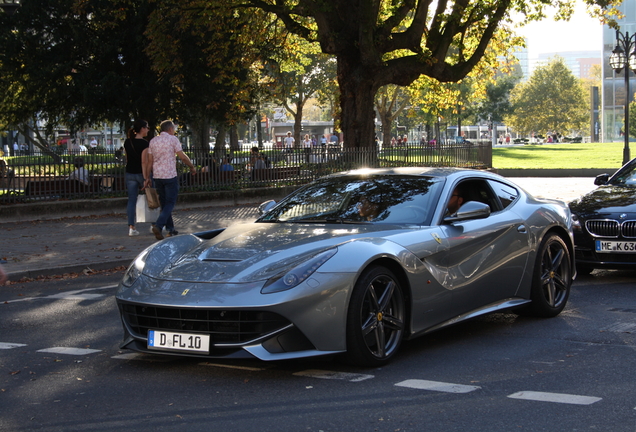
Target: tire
(552,279)
(375,319)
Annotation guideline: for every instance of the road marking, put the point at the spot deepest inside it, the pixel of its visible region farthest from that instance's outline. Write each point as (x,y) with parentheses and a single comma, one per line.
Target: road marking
(323,374)
(621,328)
(437,386)
(9,345)
(69,351)
(69,295)
(555,397)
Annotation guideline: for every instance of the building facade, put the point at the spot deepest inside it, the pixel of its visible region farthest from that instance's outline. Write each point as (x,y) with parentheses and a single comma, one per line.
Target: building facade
(614,95)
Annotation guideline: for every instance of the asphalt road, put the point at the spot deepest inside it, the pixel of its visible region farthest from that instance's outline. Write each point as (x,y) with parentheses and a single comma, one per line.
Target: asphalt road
(61,370)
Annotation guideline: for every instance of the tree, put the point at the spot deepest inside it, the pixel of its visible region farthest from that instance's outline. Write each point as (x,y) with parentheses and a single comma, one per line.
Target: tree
(496,105)
(297,75)
(390,102)
(210,54)
(551,100)
(378,42)
(76,64)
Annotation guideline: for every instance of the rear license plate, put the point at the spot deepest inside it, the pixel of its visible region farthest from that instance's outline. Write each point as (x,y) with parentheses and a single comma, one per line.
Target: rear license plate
(162,340)
(603,246)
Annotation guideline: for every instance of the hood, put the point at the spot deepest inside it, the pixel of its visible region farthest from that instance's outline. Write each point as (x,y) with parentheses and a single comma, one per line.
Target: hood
(605,200)
(248,252)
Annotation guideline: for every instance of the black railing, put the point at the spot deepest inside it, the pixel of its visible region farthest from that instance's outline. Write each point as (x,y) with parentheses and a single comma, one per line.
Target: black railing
(36,178)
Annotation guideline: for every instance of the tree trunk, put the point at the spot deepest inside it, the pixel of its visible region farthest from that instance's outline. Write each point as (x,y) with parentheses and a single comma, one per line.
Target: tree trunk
(37,141)
(219,147)
(386,131)
(200,139)
(357,95)
(234,144)
(298,118)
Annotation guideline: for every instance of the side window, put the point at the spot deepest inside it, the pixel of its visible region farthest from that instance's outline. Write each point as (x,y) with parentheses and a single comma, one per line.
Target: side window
(477,190)
(507,194)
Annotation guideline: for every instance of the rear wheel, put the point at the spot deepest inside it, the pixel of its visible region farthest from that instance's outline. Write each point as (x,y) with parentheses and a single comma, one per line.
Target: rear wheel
(375,320)
(551,280)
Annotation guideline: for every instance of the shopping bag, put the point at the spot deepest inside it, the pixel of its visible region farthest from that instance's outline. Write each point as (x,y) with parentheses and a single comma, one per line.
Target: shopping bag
(145,214)
(152,197)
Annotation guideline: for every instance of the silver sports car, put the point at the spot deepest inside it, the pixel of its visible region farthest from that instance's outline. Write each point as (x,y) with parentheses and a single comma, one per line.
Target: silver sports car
(352,264)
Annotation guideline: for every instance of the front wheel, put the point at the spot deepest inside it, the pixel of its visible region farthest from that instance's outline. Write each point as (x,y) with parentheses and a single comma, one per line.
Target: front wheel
(552,278)
(375,319)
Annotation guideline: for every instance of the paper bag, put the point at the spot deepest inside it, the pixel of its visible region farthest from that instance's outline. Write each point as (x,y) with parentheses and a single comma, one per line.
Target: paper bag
(152,197)
(145,214)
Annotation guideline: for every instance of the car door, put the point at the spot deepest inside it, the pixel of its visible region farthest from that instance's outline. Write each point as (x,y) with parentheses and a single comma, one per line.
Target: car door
(486,257)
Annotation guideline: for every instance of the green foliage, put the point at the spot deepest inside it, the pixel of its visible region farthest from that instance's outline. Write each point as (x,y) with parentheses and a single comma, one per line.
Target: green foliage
(551,100)
(632,119)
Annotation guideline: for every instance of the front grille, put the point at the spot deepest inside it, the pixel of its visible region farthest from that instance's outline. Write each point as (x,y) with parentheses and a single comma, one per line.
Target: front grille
(602,228)
(611,228)
(223,326)
(629,229)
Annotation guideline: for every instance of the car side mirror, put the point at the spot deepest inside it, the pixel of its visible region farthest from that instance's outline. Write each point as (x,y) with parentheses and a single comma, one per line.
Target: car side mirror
(601,179)
(265,207)
(470,210)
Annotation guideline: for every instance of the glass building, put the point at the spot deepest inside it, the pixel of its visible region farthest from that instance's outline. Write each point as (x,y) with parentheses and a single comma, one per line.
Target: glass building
(614,94)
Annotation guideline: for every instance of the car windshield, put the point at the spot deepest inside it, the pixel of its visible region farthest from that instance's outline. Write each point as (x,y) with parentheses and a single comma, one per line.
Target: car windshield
(626,176)
(376,199)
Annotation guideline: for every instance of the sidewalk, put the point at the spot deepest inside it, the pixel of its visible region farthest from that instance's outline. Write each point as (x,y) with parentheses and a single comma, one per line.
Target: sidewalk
(72,244)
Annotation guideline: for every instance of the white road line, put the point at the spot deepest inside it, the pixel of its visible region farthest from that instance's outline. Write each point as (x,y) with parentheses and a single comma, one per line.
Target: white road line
(69,351)
(621,328)
(437,386)
(555,397)
(323,374)
(9,345)
(69,295)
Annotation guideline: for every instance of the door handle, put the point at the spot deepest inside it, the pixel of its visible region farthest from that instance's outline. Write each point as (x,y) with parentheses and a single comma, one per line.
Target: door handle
(522,229)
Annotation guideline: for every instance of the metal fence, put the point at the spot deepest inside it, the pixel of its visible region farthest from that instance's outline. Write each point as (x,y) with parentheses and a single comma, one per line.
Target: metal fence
(39,177)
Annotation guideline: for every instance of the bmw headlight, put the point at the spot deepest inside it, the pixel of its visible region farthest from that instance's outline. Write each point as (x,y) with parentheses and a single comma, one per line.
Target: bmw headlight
(291,278)
(136,269)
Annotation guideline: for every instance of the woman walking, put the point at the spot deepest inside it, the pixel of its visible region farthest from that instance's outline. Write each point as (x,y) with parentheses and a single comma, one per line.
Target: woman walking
(136,148)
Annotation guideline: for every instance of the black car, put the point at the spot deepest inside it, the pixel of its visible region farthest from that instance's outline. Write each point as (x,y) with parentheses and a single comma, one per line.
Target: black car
(605,222)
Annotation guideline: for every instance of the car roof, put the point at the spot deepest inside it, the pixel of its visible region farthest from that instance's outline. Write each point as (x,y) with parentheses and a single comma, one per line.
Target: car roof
(445,172)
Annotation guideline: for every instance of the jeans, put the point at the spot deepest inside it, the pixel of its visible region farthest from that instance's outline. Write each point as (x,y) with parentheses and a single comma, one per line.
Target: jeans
(133,183)
(168,190)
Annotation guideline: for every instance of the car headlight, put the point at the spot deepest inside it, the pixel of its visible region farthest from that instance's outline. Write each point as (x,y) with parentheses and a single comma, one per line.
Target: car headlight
(291,278)
(576,223)
(135,269)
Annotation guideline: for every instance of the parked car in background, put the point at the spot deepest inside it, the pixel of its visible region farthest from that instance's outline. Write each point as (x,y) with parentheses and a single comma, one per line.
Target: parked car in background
(352,264)
(605,222)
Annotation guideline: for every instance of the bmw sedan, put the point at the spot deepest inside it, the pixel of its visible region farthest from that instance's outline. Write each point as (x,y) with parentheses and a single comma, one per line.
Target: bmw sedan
(351,265)
(605,222)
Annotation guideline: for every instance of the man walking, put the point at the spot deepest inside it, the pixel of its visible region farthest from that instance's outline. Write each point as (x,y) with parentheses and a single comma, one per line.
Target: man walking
(161,157)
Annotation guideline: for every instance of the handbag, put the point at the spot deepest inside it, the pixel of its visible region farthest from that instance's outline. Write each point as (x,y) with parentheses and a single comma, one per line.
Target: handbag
(143,212)
(152,197)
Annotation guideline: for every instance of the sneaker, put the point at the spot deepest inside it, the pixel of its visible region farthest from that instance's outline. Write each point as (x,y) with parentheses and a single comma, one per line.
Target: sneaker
(133,232)
(173,233)
(157,232)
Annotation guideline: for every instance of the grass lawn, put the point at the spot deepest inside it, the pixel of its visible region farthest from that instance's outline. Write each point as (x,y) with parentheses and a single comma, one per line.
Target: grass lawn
(592,155)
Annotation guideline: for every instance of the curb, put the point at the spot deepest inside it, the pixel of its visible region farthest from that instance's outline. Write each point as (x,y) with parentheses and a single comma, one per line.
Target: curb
(580,172)
(78,268)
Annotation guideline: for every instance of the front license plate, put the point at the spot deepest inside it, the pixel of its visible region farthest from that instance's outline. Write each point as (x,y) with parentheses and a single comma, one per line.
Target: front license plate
(162,340)
(603,246)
